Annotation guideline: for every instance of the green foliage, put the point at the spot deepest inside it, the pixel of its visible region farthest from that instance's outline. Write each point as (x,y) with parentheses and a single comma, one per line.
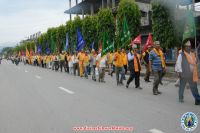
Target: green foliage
(89,29)
(130,10)
(77,23)
(61,37)
(106,23)
(163,28)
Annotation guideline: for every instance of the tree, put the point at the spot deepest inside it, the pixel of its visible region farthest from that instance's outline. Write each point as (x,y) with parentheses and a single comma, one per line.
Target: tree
(60,37)
(106,24)
(163,28)
(89,29)
(77,23)
(68,30)
(130,10)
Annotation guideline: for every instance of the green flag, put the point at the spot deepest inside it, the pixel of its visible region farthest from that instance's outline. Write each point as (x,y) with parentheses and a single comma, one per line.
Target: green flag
(52,45)
(190,29)
(125,34)
(107,45)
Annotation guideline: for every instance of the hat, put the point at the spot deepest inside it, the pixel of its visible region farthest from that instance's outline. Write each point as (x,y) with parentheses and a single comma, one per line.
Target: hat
(157,42)
(188,43)
(134,46)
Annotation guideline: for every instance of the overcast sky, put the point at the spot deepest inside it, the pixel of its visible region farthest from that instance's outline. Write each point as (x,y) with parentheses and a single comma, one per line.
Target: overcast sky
(21,18)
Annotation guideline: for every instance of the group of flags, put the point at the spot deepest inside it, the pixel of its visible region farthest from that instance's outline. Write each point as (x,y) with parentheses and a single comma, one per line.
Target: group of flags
(108,45)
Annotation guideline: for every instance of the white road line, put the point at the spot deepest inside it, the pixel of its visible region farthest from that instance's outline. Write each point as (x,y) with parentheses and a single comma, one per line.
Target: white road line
(26,71)
(66,90)
(155,131)
(38,77)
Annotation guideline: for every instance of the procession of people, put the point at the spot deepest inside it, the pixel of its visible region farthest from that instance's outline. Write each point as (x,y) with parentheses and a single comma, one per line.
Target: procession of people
(122,63)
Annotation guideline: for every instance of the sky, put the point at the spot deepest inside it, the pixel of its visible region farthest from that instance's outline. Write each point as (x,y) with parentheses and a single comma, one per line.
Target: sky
(22,18)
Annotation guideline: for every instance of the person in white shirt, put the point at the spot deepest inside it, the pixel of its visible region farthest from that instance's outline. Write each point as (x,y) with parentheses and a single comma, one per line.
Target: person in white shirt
(102,65)
(75,63)
(70,64)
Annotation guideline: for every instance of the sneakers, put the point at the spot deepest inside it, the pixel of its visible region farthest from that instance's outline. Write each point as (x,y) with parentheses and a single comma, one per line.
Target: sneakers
(181,101)
(127,85)
(157,93)
(197,102)
(138,87)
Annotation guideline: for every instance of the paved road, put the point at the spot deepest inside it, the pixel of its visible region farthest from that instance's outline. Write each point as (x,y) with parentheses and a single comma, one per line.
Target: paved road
(37,100)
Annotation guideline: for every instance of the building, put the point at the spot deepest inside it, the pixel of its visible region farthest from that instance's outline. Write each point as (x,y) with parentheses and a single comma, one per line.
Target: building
(91,7)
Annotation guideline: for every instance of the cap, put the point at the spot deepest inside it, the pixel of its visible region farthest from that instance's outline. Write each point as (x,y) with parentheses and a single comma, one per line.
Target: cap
(157,42)
(188,43)
(134,46)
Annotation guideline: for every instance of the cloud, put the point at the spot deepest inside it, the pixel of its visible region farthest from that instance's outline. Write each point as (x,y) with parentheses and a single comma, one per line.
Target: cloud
(21,18)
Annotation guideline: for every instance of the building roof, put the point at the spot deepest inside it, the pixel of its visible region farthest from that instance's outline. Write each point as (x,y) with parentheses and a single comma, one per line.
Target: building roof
(85,5)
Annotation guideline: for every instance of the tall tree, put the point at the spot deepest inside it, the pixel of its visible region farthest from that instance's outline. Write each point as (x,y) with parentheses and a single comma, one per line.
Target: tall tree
(130,10)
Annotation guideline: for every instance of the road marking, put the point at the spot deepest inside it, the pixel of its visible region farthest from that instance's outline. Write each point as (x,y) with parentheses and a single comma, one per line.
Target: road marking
(66,90)
(38,77)
(155,131)
(26,71)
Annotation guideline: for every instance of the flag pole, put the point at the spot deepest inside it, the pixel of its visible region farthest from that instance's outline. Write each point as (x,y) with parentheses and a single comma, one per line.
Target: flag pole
(193,6)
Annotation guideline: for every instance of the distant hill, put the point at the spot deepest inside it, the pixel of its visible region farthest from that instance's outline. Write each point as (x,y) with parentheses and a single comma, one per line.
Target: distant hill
(7,44)
(1,47)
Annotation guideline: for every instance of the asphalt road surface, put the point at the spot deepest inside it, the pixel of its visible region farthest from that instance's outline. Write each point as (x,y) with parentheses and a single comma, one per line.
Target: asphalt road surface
(37,100)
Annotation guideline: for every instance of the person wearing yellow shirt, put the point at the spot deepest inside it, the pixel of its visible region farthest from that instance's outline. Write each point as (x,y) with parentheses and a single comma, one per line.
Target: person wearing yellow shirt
(45,61)
(119,69)
(80,62)
(110,59)
(113,63)
(86,64)
(62,61)
(125,62)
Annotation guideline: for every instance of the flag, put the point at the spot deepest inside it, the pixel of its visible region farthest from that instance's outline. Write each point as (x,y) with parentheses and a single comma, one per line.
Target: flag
(137,40)
(126,36)
(185,2)
(31,52)
(35,49)
(149,42)
(27,53)
(52,45)
(100,45)
(80,41)
(93,45)
(67,42)
(22,52)
(116,27)
(107,45)
(190,29)
(48,50)
(38,49)
(19,54)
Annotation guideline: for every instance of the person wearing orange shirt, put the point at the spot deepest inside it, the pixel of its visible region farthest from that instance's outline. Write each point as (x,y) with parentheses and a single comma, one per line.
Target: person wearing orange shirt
(119,68)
